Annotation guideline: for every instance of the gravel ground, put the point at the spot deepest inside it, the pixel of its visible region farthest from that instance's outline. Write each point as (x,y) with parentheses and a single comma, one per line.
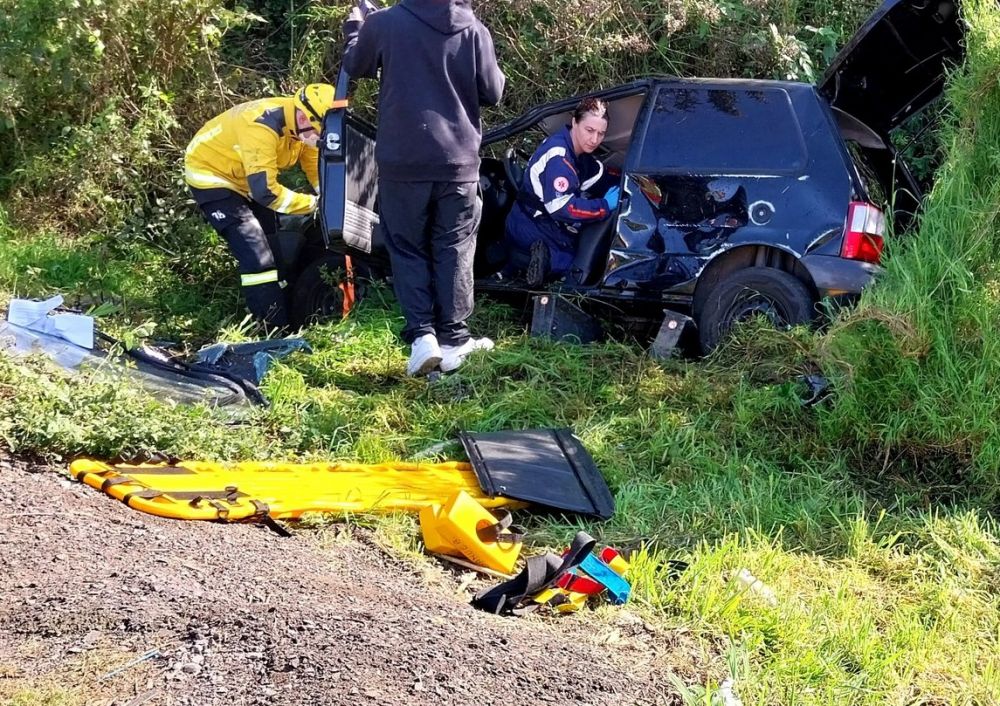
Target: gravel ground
(235,614)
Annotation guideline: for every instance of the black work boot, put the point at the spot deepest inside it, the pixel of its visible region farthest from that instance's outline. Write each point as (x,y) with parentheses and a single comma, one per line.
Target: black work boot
(538,266)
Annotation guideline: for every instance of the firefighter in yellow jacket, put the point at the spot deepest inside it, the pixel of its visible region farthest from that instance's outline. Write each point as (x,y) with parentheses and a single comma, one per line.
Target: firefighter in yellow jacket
(231,167)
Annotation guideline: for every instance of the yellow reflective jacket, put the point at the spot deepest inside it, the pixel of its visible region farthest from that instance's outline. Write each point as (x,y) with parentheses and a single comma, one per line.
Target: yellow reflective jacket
(244,149)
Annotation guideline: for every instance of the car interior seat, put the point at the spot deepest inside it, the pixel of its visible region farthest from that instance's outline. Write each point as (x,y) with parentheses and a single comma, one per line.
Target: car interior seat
(593,246)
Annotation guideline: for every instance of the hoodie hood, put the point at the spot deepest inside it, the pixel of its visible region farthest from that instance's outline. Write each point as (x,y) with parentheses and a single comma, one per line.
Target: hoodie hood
(445,16)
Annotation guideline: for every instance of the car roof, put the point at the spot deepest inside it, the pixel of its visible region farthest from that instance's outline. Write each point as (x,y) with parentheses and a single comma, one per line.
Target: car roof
(554,112)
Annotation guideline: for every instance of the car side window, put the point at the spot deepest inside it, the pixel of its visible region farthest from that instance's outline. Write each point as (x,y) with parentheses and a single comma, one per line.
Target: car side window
(692,129)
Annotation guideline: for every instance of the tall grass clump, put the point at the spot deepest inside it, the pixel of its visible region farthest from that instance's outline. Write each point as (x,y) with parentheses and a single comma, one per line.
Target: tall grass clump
(919,360)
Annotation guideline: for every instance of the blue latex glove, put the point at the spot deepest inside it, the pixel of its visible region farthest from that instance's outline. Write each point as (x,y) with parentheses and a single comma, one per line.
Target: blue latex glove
(612,196)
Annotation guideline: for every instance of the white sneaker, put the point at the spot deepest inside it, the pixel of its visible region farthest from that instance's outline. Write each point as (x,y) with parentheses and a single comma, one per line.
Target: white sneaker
(425,355)
(453,356)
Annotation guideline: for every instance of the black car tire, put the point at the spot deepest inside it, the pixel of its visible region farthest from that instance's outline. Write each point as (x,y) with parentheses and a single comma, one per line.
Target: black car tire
(316,295)
(779,296)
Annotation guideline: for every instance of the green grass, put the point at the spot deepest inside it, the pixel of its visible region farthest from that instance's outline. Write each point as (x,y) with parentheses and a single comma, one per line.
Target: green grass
(73,681)
(918,362)
(48,696)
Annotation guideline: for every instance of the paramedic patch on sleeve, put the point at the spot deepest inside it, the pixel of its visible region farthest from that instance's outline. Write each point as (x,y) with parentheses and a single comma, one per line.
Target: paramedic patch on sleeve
(560,184)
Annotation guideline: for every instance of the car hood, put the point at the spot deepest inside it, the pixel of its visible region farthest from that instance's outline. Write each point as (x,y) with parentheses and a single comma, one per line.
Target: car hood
(895,65)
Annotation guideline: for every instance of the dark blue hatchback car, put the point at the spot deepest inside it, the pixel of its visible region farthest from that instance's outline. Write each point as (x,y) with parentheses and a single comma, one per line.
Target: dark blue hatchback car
(739,197)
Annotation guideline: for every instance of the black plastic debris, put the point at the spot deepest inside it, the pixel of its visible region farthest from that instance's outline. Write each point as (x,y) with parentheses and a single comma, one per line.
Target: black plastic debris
(557,318)
(548,467)
(236,369)
(247,361)
(674,336)
(817,389)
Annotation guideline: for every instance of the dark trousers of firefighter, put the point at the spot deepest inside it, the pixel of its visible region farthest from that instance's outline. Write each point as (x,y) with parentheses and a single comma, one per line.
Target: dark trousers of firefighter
(245,225)
(430,230)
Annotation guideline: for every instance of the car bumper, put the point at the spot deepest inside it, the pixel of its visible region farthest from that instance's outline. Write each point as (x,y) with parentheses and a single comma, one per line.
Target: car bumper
(837,277)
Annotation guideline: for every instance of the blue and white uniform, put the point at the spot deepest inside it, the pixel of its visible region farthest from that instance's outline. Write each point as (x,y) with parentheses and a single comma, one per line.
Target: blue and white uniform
(552,204)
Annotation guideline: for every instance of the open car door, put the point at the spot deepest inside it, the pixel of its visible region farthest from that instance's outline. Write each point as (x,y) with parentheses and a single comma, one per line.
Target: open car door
(348,182)
(348,175)
(893,67)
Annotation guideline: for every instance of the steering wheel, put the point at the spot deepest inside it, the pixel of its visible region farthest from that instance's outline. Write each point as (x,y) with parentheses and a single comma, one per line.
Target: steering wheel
(513,170)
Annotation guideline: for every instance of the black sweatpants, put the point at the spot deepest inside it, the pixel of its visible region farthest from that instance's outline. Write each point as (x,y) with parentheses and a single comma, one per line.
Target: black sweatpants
(245,225)
(430,230)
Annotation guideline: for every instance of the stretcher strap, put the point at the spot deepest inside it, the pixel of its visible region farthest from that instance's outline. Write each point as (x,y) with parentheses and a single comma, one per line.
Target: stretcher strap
(231,495)
(117,480)
(221,510)
(618,588)
(142,495)
(503,532)
(262,514)
(155,470)
(539,572)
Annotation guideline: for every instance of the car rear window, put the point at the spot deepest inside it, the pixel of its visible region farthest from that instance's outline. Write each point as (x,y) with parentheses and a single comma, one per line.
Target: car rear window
(717,130)
(870,188)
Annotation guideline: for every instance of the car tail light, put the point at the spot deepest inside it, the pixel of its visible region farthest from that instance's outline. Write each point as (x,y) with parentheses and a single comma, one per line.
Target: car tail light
(865,230)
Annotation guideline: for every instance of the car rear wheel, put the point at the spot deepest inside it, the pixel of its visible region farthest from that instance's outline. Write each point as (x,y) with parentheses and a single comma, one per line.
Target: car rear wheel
(755,291)
(325,289)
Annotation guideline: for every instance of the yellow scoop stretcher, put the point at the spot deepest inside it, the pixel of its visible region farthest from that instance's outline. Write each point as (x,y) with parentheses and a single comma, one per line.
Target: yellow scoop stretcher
(203,490)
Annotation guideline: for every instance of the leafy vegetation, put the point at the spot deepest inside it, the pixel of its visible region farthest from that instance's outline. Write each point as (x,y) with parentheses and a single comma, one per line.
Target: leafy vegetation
(868,516)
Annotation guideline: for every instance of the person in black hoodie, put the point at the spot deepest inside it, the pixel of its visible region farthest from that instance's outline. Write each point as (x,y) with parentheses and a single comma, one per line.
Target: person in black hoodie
(438,67)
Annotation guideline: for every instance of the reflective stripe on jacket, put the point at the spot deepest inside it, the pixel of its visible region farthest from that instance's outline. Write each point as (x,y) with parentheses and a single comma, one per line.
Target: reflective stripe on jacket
(243,150)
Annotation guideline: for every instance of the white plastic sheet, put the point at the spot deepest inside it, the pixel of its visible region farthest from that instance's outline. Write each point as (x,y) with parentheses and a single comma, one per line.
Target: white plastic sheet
(37,316)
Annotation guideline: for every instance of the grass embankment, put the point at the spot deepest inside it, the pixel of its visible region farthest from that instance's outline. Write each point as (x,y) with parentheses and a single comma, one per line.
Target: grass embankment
(867,516)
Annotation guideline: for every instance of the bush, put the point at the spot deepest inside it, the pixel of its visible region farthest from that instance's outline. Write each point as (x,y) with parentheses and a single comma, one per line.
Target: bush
(92,101)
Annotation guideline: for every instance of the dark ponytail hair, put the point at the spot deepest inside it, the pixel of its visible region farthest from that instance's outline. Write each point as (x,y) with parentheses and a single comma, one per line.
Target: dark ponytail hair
(591,106)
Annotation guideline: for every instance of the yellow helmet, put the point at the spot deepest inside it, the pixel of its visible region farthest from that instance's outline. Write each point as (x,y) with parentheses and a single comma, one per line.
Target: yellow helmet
(314,100)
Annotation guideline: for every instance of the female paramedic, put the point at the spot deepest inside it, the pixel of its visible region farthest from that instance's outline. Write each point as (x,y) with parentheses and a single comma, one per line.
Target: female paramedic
(554,200)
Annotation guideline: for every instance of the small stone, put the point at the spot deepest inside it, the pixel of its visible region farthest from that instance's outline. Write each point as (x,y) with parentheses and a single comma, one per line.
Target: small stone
(190,668)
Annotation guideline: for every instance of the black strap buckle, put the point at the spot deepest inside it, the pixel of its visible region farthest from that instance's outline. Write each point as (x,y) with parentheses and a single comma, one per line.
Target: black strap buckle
(503,531)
